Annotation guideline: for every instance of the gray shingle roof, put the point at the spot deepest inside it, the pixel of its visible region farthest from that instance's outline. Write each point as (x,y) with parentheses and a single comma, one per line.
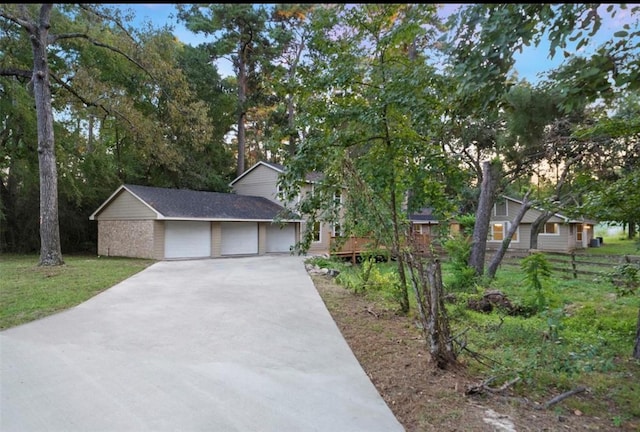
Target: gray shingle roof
(188,204)
(423,215)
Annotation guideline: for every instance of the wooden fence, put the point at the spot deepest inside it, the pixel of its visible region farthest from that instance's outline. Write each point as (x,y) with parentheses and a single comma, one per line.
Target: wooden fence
(574,265)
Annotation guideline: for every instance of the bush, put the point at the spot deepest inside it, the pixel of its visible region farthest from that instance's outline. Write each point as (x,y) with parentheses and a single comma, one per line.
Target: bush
(537,270)
(463,277)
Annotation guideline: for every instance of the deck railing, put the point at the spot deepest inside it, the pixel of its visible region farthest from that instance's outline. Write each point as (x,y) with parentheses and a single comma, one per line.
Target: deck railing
(353,246)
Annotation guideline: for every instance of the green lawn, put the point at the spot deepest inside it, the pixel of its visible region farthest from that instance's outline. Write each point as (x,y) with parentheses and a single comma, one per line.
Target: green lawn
(615,245)
(29,292)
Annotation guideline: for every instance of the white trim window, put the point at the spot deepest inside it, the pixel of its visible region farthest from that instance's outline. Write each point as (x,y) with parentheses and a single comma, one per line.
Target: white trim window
(501,207)
(497,231)
(551,228)
(337,230)
(337,197)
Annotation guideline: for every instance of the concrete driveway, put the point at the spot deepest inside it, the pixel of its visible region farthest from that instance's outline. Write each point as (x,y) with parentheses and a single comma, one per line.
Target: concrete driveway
(243,344)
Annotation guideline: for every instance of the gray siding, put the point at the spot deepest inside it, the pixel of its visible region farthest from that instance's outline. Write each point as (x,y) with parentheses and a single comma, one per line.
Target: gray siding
(555,242)
(158,240)
(261,181)
(126,206)
(216,239)
(262,238)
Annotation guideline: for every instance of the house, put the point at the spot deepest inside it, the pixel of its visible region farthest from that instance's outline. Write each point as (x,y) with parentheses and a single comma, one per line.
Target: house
(560,233)
(262,180)
(160,223)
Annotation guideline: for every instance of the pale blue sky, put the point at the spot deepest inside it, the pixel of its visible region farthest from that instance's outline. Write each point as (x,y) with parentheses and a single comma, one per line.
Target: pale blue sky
(528,64)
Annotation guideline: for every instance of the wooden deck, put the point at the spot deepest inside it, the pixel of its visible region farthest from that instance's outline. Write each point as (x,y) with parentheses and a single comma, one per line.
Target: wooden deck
(354,247)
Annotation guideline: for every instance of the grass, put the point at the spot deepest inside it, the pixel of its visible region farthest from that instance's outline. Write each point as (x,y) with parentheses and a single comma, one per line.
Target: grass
(29,292)
(585,336)
(615,245)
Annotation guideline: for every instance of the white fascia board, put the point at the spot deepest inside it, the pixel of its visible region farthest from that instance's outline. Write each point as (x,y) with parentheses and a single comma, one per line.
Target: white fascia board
(228,220)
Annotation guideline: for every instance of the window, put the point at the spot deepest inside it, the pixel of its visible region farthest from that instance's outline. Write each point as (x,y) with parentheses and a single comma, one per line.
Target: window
(316,231)
(551,228)
(337,232)
(579,230)
(499,230)
(337,197)
(500,208)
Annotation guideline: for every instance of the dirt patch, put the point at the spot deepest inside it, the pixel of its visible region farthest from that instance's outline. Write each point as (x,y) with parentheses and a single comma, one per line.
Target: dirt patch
(393,353)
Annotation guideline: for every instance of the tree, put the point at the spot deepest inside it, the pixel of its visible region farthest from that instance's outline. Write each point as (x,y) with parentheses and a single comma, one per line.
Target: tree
(39,34)
(482,48)
(241,33)
(371,133)
(121,111)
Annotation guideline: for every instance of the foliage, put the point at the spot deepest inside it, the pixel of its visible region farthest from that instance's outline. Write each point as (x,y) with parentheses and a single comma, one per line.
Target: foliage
(458,248)
(537,270)
(124,112)
(487,37)
(626,278)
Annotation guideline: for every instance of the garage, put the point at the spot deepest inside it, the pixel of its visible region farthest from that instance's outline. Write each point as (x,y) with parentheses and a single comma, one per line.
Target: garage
(187,239)
(280,238)
(239,238)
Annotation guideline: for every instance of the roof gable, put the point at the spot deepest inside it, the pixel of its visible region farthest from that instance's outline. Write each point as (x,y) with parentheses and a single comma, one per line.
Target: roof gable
(563,218)
(312,177)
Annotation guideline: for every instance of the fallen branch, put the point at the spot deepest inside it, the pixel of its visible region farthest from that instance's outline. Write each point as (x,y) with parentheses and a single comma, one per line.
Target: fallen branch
(483,387)
(563,396)
(371,312)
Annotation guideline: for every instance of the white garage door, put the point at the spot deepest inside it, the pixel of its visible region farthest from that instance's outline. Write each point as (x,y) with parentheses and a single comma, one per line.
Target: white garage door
(187,239)
(239,238)
(280,238)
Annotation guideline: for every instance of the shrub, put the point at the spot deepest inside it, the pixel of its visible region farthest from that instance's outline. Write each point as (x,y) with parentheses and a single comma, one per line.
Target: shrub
(458,249)
(537,270)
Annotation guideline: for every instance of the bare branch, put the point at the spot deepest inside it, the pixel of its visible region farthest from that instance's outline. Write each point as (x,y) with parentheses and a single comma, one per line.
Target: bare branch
(16,72)
(563,396)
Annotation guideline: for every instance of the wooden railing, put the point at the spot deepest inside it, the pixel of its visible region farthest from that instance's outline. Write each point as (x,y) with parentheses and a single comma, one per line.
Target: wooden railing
(353,247)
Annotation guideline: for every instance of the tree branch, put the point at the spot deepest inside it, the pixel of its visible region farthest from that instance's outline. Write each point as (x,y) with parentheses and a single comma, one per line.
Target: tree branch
(16,72)
(87,102)
(22,22)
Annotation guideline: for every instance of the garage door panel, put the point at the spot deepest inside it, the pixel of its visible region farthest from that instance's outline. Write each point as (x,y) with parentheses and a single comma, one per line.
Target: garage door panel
(239,238)
(280,238)
(187,239)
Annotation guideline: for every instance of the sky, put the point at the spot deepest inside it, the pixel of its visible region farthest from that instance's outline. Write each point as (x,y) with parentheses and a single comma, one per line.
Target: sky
(529,63)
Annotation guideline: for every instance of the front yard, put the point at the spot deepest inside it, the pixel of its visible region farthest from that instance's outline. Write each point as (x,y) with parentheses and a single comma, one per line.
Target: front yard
(29,292)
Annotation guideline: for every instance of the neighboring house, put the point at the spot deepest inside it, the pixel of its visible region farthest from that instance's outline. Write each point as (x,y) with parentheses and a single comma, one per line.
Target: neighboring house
(262,180)
(160,223)
(560,233)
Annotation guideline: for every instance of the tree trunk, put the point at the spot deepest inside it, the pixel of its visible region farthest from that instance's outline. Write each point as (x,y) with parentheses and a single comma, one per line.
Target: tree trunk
(490,179)
(242,101)
(404,300)
(50,250)
(499,255)
(536,227)
(636,349)
(632,230)
(428,290)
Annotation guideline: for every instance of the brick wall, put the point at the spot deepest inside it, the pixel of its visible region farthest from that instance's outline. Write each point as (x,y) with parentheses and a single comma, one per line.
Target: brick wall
(126,238)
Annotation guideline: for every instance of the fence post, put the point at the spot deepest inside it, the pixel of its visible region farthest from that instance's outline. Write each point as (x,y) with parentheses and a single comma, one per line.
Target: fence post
(573,265)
